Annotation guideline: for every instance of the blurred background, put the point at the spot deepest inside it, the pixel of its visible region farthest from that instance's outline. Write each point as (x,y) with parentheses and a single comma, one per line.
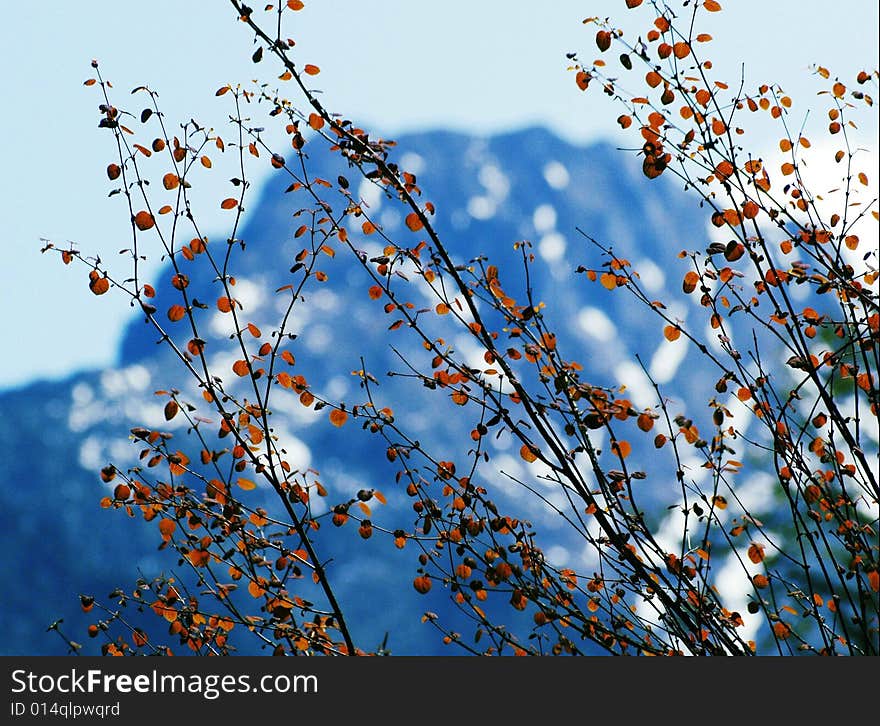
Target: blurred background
(393,65)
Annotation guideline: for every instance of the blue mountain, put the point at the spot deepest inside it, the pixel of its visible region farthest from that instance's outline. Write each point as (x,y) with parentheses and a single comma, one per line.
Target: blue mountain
(489,192)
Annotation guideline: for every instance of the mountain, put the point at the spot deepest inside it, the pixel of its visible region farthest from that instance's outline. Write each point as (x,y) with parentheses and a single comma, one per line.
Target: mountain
(489,193)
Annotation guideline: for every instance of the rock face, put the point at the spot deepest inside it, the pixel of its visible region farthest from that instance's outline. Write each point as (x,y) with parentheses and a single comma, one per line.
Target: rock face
(489,193)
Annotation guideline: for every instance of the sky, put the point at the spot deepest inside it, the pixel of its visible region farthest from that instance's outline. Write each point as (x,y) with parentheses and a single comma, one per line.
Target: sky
(395,66)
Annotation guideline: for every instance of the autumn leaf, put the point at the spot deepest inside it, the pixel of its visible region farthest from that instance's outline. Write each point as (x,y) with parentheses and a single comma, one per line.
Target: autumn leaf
(528,454)
(143,221)
(672,333)
(756,552)
(413,222)
(170,181)
(176,313)
(422,584)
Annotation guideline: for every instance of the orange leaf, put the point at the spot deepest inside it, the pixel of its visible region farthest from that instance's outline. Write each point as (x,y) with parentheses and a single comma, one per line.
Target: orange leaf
(246,484)
(608,280)
(413,222)
(229,203)
(528,453)
(176,312)
(756,552)
(98,285)
(712,6)
(422,584)
(671,333)
(621,448)
(312,70)
(750,209)
(144,220)
(170,181)
(724,170)
(240,367)
(166,528)
(338,417)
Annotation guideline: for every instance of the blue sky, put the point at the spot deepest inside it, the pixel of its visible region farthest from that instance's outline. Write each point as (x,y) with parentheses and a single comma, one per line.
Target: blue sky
(479,66)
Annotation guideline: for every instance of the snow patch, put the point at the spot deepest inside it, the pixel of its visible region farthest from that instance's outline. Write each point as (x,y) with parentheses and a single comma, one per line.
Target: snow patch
(556,175)
(336,388)
(481,207)
(651,275)
(222,325)
(91,454)
(249,294)
(318,338)
(82,394)
(495,182)
(596,324)
(557,555)
(412,162)
(138,377)
(666,360)
(552,247)
(544,218)
(325,300)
